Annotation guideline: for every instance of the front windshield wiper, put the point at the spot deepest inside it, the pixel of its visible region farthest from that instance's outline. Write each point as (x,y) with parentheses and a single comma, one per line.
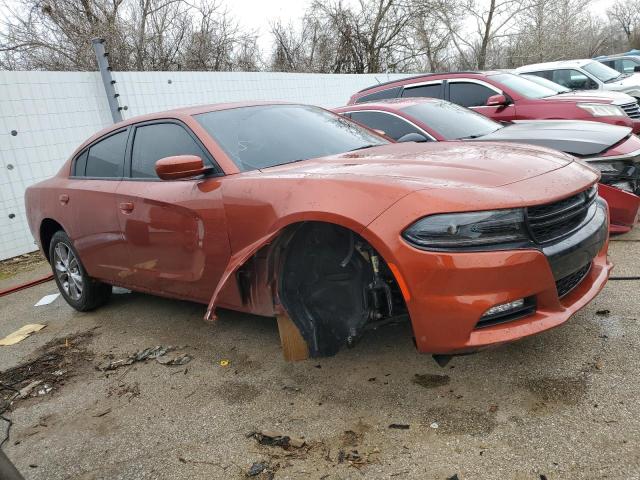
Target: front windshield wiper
(366,146)
(475,135)
(619,77)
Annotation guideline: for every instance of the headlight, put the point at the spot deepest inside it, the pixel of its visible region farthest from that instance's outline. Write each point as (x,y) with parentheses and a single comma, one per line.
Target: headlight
(602,110)
(470,229)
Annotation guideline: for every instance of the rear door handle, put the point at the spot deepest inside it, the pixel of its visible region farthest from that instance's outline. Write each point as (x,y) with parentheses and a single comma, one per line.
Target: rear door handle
(126,207)
(64,198)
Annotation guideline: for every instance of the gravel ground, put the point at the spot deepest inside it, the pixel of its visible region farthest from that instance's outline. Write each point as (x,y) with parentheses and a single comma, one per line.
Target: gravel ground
(561,405)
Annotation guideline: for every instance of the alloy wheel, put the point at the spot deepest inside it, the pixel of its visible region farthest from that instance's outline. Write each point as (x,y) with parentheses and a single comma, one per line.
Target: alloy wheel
(68,271)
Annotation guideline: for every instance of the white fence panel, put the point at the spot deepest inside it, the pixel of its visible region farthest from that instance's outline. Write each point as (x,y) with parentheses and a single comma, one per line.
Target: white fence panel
(44,116)
(51,113)
(147,92)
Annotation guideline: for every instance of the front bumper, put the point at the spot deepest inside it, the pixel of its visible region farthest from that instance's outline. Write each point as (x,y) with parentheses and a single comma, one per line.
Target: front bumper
(449,292)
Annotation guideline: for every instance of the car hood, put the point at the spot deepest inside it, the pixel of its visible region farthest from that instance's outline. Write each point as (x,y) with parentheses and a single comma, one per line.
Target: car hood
(432,165)
(630,83)
(598,96)
(569,136)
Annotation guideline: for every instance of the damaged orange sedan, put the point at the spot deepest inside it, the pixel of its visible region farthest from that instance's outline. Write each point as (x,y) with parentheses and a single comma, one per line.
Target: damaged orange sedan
(274,208)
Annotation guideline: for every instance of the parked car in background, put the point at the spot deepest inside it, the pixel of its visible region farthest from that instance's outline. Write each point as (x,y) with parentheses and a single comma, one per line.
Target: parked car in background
(616,98)
(271,207)
(585,75)
(623,63)
(504,96)
(613,150)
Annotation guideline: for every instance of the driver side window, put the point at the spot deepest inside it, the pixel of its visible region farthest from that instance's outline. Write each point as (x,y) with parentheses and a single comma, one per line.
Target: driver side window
(573,79)
(159,140)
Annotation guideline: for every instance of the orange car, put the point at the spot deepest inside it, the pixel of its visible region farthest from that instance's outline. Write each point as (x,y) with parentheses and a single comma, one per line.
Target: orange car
(272,207)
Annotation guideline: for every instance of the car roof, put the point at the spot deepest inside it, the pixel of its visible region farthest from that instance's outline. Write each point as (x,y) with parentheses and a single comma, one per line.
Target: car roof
(621,55)
(557,64)
(177,113)
(426,76)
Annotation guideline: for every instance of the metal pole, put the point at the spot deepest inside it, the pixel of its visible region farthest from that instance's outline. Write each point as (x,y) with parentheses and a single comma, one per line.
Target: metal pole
(107,79)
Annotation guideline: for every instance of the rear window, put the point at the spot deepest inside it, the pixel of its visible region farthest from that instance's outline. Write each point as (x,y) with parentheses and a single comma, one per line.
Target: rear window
(381,95)
(452,121)
(106,158)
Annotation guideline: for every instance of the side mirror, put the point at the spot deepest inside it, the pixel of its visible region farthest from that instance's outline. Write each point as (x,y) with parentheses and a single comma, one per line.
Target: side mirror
(180,166)
(412,137)
(496,101)
(636,68)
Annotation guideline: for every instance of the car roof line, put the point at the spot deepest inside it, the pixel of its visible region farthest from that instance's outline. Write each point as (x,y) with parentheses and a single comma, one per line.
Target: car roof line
(414,77)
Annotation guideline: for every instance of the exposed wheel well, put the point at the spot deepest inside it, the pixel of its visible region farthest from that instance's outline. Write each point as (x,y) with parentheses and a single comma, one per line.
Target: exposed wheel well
(47,228)
(335,286)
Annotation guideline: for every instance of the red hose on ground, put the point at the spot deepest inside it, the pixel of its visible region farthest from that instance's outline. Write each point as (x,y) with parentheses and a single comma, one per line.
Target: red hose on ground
(29,284)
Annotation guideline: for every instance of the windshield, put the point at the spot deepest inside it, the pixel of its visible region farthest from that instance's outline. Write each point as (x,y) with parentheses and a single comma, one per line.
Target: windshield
(524,87)
(546,83)
(452,121)
(601,72)
(267,135)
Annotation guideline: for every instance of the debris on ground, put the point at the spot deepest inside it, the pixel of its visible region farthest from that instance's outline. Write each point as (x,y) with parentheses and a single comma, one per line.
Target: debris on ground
(275,439)
(224,363)
(21,334)
(21,263)
(453,477)
(159,353)
(53,364)
(47,299)
(257,468)
(434,425)
(429,380)
(399,426)
(603,312)
(177,359)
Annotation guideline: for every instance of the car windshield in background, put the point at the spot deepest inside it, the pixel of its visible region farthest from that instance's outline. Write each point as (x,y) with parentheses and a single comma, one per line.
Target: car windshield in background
(268,135)
(524,87)
(601,72)
(452,121)
(546,83)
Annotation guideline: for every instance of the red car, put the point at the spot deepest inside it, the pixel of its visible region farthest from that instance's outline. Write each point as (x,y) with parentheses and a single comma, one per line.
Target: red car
(504,97)
(613,150)
(269,208)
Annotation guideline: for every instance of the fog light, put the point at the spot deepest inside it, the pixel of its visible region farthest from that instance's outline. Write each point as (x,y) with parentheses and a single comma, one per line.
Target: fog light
(504,308)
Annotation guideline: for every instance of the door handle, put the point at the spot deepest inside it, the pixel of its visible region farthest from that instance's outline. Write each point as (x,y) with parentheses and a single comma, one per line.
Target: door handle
(126,207)
(64,198)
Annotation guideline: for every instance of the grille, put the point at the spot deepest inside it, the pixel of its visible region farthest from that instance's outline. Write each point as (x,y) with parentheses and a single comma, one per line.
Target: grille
(552,221)
(568,283)
(631,109)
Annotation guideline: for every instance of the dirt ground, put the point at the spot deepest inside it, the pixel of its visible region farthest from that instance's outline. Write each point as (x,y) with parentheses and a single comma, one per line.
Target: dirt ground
(561,405)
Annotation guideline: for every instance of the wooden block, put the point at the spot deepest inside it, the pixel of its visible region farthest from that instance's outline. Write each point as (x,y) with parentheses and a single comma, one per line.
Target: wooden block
(294,347)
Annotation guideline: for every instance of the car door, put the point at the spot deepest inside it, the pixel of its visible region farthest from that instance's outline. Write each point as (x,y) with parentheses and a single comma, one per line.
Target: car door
(90,196)
(474,94)
(392,125)
(175,230)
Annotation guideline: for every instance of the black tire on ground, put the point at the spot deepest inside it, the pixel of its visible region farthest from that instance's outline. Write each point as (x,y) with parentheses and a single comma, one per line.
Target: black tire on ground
(79,290)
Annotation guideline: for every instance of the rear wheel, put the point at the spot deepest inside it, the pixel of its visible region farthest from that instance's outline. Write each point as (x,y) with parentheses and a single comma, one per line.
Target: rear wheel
(79,290)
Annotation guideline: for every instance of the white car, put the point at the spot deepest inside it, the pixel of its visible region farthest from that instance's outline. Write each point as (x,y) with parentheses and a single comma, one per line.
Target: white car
(585,75)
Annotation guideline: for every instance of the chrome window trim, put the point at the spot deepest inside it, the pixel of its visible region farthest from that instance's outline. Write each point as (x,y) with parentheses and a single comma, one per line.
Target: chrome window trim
(351,112)
(478,82)
(421,84)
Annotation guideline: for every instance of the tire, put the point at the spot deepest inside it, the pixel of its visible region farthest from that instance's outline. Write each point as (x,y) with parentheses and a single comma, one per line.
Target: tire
(79,290)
